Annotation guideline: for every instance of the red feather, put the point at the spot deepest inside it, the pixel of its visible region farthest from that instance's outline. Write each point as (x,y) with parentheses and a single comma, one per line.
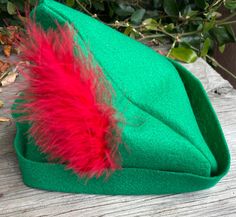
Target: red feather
(68,102)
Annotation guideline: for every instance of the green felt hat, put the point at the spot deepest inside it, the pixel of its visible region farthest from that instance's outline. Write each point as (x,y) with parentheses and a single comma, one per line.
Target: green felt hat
(174,139)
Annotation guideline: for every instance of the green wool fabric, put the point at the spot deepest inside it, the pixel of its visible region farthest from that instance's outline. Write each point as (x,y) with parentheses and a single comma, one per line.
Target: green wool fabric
(172,138)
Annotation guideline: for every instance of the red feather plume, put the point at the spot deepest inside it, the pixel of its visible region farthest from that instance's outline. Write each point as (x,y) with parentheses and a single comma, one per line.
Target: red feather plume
(68,102)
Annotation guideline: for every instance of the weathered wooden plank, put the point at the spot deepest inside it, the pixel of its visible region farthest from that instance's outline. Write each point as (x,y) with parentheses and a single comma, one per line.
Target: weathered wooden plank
(19,200)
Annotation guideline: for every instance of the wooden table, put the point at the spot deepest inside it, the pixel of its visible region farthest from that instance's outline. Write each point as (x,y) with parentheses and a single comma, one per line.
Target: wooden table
(18,200)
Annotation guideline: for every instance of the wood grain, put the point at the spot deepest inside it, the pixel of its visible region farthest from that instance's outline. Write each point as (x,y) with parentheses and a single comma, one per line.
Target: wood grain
(21,201)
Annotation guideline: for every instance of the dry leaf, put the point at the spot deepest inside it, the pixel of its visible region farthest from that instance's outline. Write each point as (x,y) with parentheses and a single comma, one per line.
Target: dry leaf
(3,119)
(3,38)
(9,79)
(9,34)
(8,37)
(1,103)
(3,66)
(7,50)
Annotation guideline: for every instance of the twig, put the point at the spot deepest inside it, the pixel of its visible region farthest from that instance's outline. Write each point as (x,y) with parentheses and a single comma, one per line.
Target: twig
(5,73)
(227,18)
(216,63)
(215,3)
(84,8)
(151,37)
(172,46)
(220,66)
(226,23)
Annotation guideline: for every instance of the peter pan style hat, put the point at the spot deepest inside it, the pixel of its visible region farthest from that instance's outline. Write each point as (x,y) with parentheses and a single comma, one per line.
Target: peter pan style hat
(172,139)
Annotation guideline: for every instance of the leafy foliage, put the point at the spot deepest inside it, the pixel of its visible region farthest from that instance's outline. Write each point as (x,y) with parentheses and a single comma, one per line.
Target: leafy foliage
(193,26)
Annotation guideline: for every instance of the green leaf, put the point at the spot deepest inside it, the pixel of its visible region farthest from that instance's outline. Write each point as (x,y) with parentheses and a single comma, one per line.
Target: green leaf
(70,3)
(169,27)
(183,54)
(128,30)
(208,25)
(200,3)
(230,4)
(205,48)
(191,40)
(157,3)
(171,7)
(124,10)
(216,14)
(99,6)
(188,12)
(137,16)
(150,24)
(200,27)
(222,48)
(20,5)
(11,8)
(223,34)
(3,8)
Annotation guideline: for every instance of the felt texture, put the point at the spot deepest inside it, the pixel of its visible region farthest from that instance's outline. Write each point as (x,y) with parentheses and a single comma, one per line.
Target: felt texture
(172,139)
